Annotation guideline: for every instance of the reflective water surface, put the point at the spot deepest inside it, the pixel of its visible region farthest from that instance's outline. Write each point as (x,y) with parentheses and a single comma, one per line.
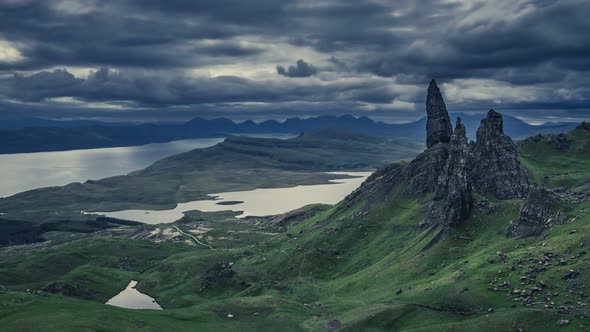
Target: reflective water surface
(258,202)
(26,171)
(131,298)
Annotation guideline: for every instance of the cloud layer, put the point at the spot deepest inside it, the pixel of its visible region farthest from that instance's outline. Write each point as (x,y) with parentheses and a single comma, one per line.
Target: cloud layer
(356,56)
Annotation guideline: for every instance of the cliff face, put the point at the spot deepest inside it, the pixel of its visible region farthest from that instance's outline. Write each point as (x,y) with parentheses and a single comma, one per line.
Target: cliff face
(495,167)
(453,199)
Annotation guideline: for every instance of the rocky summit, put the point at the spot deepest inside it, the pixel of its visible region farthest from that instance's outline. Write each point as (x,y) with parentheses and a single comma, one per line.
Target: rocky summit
(452,170)
(489,166)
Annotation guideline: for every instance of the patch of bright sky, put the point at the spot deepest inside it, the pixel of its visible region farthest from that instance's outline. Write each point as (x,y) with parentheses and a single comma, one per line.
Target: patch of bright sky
(462,90)
(74,7)
(9,52)
(263,66)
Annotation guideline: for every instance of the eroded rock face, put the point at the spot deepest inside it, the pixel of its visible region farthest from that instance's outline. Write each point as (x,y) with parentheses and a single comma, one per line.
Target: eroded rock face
(438,123)
(541,210)
(422,173)
(495,167)
(453,198)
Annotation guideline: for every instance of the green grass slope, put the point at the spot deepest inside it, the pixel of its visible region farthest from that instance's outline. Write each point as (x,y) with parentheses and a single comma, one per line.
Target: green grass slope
(550,165)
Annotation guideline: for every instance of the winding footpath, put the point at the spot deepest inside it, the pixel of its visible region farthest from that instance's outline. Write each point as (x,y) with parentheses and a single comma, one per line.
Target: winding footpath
(194,238)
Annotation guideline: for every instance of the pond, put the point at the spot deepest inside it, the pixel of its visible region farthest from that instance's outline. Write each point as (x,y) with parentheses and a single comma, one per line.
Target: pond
(131,298)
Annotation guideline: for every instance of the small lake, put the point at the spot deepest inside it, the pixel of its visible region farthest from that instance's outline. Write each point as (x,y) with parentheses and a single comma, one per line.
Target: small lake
(26,171)
(258,202)
(131,298)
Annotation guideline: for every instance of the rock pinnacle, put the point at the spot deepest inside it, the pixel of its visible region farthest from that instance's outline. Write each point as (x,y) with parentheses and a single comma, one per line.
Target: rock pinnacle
(438,124)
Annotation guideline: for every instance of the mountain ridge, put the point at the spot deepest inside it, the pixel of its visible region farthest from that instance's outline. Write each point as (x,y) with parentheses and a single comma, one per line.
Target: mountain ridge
(41,139)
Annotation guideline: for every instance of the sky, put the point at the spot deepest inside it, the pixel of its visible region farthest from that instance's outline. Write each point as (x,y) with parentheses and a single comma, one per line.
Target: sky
(171,60)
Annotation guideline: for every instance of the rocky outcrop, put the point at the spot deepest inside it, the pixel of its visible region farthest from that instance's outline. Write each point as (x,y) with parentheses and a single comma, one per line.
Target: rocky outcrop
(561,142)
(218,274)
(584,126)
(68,289)
(453,199)
(541,210)
(495,168)
(438,123)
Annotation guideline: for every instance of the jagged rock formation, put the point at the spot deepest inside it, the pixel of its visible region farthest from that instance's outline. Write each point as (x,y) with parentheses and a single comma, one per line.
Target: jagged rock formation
(495,167)
(453,169)
(541,210)
(438,124)
(584,125)
(453,199)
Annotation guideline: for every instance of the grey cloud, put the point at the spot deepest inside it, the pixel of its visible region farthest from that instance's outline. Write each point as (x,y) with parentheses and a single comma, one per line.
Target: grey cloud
(140,89)
(301,69)
(43,85)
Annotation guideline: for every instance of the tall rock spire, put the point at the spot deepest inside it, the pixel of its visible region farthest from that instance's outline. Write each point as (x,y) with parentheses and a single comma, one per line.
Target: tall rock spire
(453,198)
(459,136)
(438,124)
(496,168)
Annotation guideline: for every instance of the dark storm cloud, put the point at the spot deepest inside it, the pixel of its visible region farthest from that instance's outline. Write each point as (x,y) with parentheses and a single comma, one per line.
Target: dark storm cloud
(526,35)
(301,69)
(149,90)
(43,85)
(508,53)
(111,36)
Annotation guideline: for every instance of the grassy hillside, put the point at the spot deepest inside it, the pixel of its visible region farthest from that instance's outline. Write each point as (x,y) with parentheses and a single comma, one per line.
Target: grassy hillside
(558,160)
(369,266)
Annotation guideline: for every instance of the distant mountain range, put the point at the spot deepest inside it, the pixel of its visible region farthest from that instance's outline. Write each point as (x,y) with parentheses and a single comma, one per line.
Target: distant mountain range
(22,123)
(50,135)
